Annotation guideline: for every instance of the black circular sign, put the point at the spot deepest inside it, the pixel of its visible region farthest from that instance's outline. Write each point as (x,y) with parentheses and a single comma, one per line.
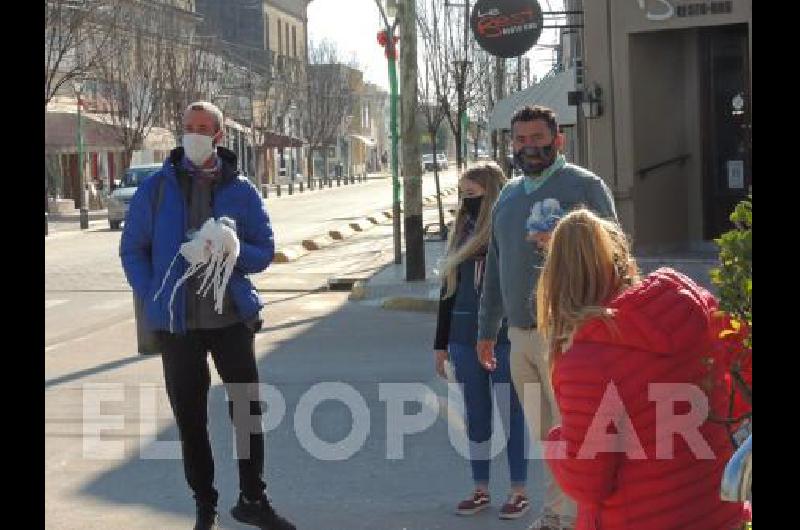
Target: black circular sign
(507,28)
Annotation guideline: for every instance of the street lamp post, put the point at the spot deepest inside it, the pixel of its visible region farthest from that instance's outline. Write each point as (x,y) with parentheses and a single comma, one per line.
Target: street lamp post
(84,210)
(386,38)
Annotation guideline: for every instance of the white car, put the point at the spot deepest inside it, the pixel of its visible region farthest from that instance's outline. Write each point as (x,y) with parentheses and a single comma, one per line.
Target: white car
(121,197)
(428,164)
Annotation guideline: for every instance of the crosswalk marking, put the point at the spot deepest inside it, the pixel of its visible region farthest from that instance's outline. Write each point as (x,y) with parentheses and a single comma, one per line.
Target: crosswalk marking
(49,304)
(111,304)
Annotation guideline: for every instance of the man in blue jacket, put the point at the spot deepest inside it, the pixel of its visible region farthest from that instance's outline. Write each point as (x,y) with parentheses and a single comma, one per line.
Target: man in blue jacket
(200,181)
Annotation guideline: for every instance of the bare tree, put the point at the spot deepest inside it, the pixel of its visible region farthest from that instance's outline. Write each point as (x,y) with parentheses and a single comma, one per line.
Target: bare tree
(76,33)
(463,65)
(281,94)
(432,87)
(329,101)
(130,75)
(191,70)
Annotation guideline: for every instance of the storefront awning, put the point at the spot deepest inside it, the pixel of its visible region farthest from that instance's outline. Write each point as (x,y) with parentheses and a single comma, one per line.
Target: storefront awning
(233,124)
(272,139)
(60,134)
(369,142)
(551,92)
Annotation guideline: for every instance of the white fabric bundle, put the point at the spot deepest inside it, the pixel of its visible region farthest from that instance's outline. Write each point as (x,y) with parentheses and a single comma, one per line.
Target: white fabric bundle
(216,247)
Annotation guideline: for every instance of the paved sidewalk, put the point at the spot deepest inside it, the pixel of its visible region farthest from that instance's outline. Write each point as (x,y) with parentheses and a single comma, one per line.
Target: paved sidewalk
(94,215)
(389,289)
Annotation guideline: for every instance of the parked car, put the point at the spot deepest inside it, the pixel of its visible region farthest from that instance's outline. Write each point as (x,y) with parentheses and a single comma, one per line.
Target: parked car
(428,164)
(121,197)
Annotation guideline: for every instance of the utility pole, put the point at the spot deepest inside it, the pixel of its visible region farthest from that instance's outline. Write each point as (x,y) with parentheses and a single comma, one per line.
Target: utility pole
(463,105)
(499,78)
(84,194)
(412,170)
(255,178)
(387,39)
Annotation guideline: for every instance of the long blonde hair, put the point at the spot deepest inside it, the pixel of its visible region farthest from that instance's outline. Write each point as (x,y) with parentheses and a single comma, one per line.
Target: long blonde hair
(588,262)
(491,178)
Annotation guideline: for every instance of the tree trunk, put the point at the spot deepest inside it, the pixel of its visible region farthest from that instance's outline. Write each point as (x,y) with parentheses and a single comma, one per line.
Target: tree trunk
(458,131)
(442,231)
(310,166)
(412,180)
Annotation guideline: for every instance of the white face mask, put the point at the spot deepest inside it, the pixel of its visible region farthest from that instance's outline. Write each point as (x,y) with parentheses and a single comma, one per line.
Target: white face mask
(198,147)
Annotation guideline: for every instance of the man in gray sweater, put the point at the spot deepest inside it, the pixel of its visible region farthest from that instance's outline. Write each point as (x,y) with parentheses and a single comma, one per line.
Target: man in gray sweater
(520,231)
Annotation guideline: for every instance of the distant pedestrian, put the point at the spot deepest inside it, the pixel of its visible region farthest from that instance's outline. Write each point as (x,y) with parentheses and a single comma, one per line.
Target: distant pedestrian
(384,160)
(199,182)
(456,333)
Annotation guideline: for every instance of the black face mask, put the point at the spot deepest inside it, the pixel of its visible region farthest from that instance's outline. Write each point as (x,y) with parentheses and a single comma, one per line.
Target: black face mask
(473,206)
(545,153)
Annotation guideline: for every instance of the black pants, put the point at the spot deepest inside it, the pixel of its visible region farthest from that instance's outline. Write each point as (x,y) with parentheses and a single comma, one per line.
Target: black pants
(187,380)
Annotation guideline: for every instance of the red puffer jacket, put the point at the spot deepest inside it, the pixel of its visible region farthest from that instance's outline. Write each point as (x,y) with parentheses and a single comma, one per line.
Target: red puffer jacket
(624,469)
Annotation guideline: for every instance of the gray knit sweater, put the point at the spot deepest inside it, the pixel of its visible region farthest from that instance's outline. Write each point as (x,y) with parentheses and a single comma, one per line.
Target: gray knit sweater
(513,263)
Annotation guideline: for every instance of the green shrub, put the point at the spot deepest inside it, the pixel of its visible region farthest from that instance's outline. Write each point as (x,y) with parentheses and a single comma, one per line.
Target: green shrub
(734,277)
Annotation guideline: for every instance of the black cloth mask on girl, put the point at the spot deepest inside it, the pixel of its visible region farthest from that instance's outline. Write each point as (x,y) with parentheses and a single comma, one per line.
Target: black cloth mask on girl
(473,206)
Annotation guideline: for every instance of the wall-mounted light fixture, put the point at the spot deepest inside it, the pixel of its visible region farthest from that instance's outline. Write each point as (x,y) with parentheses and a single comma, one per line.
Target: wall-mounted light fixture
(592,102)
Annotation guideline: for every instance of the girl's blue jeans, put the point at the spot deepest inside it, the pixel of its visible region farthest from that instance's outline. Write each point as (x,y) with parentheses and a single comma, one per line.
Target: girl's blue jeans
(477,388)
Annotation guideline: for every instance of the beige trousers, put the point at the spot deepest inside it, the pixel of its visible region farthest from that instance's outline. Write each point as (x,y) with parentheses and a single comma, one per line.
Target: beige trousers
(531,376)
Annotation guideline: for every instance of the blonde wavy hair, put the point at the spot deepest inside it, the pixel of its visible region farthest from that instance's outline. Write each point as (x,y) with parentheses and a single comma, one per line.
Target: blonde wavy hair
(490,176)
(588,262)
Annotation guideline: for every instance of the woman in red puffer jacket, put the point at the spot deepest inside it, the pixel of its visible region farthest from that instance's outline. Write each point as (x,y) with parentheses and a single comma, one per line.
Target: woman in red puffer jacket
(631,375)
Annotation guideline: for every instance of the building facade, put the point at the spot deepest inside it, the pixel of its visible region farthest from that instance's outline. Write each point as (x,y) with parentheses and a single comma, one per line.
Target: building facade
(103,157)
(268,38)
(669,124)
(360,137)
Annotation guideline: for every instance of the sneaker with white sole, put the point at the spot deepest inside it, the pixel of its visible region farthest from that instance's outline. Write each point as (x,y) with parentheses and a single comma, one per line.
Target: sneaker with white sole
(479,501)
(516,506)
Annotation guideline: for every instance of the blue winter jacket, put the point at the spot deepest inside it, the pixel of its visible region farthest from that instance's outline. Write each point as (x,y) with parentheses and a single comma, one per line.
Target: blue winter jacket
(149,243)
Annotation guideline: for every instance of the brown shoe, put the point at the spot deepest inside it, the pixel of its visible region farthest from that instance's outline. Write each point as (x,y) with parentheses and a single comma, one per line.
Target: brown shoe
(479,501)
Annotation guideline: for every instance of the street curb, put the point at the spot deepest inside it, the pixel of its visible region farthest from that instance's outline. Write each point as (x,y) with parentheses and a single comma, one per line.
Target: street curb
(295,252)
(290,253)
(361,225)
(317,243)
(358,291)
(94,215)
(341,233)
(405,303)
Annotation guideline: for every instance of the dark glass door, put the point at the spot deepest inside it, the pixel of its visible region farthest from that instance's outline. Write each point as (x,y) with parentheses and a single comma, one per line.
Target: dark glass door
(727,124)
